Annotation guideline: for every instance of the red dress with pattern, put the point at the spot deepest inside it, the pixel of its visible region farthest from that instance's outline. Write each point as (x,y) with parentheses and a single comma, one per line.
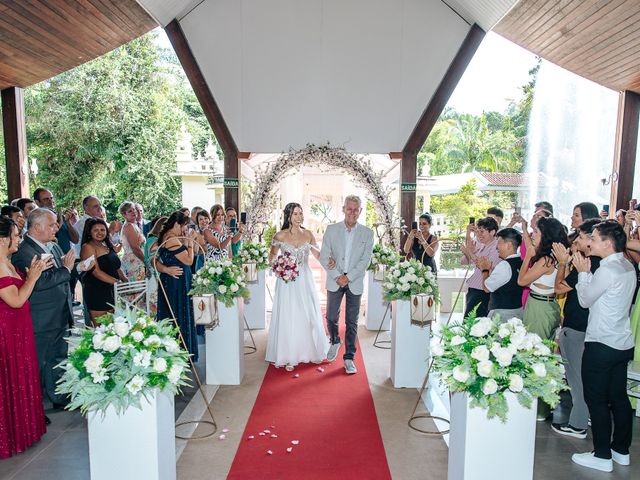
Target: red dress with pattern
(21,409)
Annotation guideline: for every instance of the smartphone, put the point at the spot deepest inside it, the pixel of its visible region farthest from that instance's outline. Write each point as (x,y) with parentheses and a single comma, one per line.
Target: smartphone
(518,211)
(606,208)
(243,218)
(414,225)
(472,220)
(46,256)
(232,224)
(633,204)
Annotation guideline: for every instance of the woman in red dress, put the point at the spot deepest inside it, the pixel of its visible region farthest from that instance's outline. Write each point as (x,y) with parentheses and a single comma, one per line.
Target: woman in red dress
(22,419)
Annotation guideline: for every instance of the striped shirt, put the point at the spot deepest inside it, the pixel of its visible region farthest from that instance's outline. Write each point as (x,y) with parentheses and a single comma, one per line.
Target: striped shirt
(491,252)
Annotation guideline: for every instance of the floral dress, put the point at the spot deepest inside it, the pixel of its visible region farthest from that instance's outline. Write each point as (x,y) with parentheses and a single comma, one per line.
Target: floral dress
(132,266)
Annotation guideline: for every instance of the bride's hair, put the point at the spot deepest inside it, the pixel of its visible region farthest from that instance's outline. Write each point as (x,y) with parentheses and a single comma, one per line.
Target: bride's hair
(288,211)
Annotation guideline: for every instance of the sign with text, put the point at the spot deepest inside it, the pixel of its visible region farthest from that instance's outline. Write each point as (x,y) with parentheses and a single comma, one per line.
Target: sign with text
(231,183)
(408,187)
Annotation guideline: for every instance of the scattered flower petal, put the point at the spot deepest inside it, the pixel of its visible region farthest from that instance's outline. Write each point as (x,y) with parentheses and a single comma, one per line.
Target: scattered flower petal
(296,375)
(295,442)
(267,431)
(273,426)
(269,452)
(320,369)
(273,435)
(290,449)
(262,434)
(222,437)
(250,437)
(225,430)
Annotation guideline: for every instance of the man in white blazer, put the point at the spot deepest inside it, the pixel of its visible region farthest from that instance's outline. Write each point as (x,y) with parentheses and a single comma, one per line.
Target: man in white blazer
(350,244)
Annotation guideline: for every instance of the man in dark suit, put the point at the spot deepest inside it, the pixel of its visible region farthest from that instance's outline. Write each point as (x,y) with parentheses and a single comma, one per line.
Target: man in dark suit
(51,299)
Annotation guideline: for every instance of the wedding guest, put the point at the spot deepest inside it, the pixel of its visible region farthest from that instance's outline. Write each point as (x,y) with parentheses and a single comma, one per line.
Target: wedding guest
(608,347)
(583,212)
(26,205)
(115,228)
(203,219)
(194,215)
(15,214)
(496,214)
(217,236)
(92,209)
(422,243)
(150,248)
(236,240)
(22,420)
(51,298)
(66,234)
(143,225)
(99,295)
(484,245)
(185,210)
(574,325)
(173,300)
(621,216)
(132,243)
(501,283)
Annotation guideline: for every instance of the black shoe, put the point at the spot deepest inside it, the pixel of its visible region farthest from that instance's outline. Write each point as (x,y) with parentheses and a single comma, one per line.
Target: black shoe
(76,303)
(568,430)
(47,420)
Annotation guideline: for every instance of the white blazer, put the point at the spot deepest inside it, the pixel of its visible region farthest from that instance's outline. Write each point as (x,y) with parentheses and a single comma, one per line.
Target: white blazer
(334,246)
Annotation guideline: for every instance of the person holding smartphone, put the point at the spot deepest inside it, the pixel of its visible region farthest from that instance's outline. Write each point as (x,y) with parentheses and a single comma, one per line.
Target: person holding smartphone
(236,229)
(217,235)
(421,243)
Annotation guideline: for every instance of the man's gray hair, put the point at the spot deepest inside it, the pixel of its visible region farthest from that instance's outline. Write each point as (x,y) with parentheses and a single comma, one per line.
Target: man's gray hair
(352,198)
(38,215)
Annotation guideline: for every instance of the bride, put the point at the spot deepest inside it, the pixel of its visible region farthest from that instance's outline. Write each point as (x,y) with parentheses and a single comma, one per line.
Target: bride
(297,333)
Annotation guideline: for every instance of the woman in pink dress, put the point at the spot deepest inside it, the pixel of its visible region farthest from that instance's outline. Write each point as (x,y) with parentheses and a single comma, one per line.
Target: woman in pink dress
(22,420)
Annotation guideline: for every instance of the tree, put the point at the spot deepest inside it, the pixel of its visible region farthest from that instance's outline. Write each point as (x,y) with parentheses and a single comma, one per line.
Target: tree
(458,207)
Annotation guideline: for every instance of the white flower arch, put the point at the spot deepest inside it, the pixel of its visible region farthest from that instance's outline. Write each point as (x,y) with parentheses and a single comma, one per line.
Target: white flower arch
(259,206)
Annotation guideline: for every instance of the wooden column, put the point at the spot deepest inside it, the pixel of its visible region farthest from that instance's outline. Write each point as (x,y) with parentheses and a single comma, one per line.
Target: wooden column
(428,119)
(211,111)
(624,160)
(15,143)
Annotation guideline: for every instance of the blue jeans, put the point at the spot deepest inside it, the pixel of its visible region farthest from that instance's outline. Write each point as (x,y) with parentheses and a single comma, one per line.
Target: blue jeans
(334,299)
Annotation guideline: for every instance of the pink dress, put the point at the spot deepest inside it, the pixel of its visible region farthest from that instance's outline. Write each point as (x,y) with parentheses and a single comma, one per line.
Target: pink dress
(21,409)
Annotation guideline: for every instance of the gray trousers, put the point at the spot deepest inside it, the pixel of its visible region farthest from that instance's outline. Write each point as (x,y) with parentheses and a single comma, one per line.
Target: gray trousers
(352,313)
(51,349)
(571,349)
(506,314)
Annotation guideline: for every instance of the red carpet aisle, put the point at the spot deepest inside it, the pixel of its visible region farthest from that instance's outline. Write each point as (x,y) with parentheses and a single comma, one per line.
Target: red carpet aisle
(329,413)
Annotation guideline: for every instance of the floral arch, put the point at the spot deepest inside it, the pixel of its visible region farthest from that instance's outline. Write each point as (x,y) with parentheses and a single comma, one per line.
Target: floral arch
(259,205)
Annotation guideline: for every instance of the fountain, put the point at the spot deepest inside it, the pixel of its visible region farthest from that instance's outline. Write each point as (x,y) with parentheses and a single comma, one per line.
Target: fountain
(570,141)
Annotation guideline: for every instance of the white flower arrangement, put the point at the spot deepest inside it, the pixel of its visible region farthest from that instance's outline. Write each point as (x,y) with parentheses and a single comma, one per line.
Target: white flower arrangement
(123,359)
(224,278)
(486,358)
(408,278)
(382,255)
(260,198)
(257,253)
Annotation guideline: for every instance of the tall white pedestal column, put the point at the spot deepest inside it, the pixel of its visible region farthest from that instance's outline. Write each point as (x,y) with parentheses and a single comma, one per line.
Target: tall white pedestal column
(255,309)
(409,348)
(480,448)
(376,306)
(137,444)
(225,347)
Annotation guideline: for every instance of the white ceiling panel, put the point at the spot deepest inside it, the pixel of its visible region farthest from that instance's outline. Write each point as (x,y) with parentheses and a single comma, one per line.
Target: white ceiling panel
(164,11)
(356,73)
(485,13)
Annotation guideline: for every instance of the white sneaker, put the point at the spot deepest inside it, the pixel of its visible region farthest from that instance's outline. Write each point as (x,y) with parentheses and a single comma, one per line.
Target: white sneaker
(589,460)
(350,367)
(333,351)
(619,458)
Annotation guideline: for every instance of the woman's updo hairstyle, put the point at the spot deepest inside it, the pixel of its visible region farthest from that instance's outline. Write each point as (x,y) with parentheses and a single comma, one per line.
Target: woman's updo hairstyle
(6,228)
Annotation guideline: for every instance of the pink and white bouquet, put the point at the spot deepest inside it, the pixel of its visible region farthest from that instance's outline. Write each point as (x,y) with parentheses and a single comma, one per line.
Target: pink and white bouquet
(286,267)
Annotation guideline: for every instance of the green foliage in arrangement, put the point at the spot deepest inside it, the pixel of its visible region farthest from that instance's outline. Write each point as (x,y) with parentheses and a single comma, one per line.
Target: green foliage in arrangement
(225,279)
(407,278)
(383,255)
(256,253)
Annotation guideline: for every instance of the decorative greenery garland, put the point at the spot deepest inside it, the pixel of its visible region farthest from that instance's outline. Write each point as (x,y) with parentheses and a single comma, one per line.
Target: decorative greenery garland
(324,155)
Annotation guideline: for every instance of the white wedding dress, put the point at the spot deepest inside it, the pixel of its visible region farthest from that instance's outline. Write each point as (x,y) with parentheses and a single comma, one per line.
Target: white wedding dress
(296,333)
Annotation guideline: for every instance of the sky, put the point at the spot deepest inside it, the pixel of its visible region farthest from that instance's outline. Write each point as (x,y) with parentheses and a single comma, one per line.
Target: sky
(494,77)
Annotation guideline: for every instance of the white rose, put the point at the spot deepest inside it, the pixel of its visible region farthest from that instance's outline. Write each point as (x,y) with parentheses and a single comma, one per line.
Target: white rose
(119,319)
(480,353)
(420,281)
(504,356)
(234,288)
(504,331)
(396,273)
(490,387)
(485,367)
(539,369)
(121,328)
(159,365)
(211,270)
(222,289)
(112,343)
(174,374)
(135,384)
(515,322)
(388,285)
(219,271)
(142,359)
(153,340)
(405,287)
(458,340)
(541,349)
(100,376)
(516,383)
(436,349)
(199,280)
(461,374)
(98,340)
(481,328)
(94,362)
(137,336)
(171,345)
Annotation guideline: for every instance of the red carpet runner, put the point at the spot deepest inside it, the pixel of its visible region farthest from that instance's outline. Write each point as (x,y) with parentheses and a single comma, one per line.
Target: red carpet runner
(329,413)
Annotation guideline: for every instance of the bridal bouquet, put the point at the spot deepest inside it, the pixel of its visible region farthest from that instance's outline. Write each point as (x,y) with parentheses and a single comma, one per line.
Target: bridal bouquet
(256,253)
(126,357)
(408,278)
(486,358)
(222,278)
(286,267)
(382,255)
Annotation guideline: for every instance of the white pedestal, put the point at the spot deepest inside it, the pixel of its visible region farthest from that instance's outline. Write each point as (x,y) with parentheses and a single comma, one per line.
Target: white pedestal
(410,350)
(138,444)
(255,309)
(225,347)
(480,448)
(376,306)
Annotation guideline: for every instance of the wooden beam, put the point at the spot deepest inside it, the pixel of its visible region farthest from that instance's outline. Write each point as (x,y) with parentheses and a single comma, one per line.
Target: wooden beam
(211,111)
(624,161)
(15,143)
(408,167)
